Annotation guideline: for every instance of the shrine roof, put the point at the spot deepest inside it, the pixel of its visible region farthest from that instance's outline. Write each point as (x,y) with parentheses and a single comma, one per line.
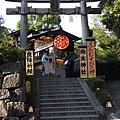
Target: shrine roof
(52,33)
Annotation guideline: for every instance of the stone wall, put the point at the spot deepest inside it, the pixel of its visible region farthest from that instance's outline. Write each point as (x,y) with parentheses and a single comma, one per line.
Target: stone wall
(12,92)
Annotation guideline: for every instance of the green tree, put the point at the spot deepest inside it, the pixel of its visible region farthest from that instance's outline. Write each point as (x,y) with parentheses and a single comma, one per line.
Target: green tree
(107,45)
(37,22)
(3,30)
(8,51)
(111,15)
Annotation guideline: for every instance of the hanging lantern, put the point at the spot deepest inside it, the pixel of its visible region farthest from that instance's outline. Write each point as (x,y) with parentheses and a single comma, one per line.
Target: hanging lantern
(61,42)
(54,5)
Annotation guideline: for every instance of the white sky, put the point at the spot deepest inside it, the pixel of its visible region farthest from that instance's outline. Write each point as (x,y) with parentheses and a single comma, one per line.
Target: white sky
(71,27)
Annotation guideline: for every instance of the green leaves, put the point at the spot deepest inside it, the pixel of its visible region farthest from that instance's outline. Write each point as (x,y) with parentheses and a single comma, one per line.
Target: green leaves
(37,22)
(111,16)
(107,44)
(9,52)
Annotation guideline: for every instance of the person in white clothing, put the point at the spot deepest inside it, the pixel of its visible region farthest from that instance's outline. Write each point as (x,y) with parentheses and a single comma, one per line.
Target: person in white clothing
(45,62)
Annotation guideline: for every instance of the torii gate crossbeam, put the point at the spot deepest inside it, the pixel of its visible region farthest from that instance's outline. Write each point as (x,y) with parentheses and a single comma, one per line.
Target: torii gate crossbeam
(40,11)
(48,1)
(24,10)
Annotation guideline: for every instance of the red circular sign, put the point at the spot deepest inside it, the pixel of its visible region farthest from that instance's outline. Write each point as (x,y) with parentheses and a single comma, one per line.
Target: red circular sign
(61,42)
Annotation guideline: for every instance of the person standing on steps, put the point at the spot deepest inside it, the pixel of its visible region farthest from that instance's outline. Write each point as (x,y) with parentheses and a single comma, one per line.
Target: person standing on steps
(45,62)
(66,63)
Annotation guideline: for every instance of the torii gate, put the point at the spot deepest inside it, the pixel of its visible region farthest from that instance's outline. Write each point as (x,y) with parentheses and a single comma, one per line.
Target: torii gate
(24,10)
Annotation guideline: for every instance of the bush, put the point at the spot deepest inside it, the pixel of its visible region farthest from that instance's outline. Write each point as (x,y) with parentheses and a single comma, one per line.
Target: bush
(9,52)
(103,96)
(95,83)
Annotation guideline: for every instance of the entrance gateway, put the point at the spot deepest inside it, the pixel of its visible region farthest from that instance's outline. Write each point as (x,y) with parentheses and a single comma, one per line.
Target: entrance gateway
(24,10)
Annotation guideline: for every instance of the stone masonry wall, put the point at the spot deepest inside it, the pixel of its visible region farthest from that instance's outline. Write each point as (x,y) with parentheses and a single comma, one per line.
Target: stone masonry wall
(12,92)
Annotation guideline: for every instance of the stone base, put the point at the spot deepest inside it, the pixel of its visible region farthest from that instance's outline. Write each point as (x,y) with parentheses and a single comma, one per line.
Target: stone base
(60,72)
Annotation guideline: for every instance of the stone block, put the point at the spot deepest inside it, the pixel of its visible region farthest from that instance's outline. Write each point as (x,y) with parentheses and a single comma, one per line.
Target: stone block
(16,109)
(1,80)
(1,75)
(3,109)
(4,94)
(10,68)
(10,118)
(19,94)
(12,81)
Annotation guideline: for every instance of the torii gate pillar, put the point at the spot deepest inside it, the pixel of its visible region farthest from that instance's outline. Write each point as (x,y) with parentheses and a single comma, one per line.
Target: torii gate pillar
(23,24)
(84,21)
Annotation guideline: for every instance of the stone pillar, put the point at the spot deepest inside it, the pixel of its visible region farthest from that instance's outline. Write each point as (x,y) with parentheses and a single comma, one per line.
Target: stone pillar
(23,24)
(84,21)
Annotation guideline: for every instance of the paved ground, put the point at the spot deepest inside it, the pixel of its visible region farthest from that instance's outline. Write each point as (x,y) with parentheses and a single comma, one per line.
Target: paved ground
(114,89)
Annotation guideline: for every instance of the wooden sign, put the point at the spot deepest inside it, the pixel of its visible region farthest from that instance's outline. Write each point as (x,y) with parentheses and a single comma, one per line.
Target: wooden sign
(91,57)
(28,86)
(83,62)
(43,45)
(29,62)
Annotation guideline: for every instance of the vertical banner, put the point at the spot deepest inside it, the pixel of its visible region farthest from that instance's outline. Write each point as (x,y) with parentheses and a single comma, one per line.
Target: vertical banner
(29,62)
(83,61)
(91,57)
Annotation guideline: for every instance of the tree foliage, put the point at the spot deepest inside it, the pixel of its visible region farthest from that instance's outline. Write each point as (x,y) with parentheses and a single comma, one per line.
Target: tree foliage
(107,45)
(3,30)
(47,21)
(8,51)
(111,15)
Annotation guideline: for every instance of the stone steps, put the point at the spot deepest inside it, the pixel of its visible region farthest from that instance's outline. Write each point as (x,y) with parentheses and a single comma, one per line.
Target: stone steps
(68,113)
(59,104)
(62,92)
(62,95)
(75,117)
(64,99)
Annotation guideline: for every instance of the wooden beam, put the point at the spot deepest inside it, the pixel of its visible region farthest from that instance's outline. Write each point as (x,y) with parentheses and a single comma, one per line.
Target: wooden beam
(48,1)
(68,11)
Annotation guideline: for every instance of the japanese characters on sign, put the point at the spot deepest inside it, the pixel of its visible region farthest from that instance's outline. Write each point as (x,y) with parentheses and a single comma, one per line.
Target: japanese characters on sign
(83,62)
(91,58)
(61,42)
(29,63)
(43,45)
(28,86)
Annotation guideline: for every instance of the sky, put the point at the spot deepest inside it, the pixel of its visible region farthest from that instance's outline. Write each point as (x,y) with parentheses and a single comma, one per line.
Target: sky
(73,27)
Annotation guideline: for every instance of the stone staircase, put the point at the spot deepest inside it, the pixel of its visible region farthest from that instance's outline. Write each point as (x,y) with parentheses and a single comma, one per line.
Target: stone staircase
(64,99)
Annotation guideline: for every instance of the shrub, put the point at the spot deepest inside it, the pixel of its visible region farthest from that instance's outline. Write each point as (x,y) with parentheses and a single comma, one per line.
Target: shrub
(95,83)
(9,52)
(103,96)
